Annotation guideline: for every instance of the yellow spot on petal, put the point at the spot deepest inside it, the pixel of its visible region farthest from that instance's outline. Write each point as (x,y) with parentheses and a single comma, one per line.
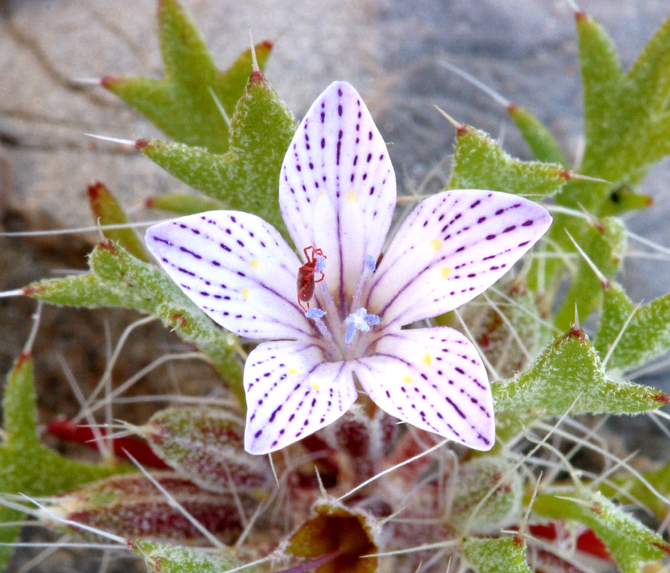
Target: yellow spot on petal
(445,272)
(292,370)
(351,196)
(407,379)
(436,244)
(255,263)
(427,360)
(315,386)
(245,293)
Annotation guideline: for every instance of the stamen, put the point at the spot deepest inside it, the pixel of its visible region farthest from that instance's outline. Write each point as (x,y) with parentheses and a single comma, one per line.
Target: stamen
(359,320)
(315,314)
(320,263)
(370,267)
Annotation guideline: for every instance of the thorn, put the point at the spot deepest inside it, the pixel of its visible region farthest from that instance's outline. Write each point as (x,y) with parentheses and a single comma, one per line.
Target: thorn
(604,281)
(129,142)
(87,81)
(16,292)
(254,60)
(574,6)
(577,326)
(478,84)
(460,128)
(572,175)
(28,348)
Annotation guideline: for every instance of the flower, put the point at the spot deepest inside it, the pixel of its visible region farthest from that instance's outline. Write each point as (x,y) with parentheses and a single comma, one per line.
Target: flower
(337,194)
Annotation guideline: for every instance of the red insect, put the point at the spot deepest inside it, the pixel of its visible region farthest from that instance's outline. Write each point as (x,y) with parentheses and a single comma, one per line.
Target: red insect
(306,275)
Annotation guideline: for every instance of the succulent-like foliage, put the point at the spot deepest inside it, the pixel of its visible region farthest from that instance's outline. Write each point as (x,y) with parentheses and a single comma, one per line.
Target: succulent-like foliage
(351,490)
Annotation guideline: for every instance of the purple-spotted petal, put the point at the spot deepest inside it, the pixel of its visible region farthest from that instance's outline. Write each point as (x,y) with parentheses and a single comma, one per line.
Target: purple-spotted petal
(337,186)
(433,379)
(452,247)
(292,392)
(237,268)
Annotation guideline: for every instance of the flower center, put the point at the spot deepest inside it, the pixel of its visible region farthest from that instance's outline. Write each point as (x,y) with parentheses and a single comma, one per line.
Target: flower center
(345,337)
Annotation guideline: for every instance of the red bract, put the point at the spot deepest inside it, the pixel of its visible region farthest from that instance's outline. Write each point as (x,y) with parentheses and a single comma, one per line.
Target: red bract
(123,447)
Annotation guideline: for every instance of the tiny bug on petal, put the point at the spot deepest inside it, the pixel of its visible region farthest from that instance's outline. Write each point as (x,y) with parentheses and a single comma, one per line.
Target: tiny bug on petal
(306,275)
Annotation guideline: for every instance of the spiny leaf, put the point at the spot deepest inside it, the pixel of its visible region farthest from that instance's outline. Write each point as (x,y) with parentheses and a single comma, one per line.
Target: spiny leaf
(623,197)
(184,104)
(162,558)
(540,140)
(183,204)
(507,325)
(480,163)
(119,279)
(568,377)
(26,466)
(629,542)
(646,336)
(207,446)
(604,242)
(626,119)
(131,506)
(246,177)
(501,555)
(475,480)
(108,211)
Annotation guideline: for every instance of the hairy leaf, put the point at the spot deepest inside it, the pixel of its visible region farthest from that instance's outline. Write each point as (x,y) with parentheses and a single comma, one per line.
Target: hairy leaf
(640,334)
(568,377)
(502,555)
(26,466)
(540,140)
(162,558)
(185,104)
(108,211)
(480,163)
(246,176)
(119,279)
(627,539)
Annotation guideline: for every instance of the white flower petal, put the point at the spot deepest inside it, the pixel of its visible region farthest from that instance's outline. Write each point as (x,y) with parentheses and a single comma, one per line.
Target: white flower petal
(292,392)
(337,186)
(237,268)
(452,247)
(434,379)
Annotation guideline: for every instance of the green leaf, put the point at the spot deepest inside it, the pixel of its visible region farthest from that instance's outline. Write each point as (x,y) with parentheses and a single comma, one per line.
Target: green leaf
(184,103)
(626,119)
(623,197)
(119,279)
(604,242)
(502,555)
(163,558)
(507,326)
(246,177)
(480,163)
(183,204)
(206,445)
(542,144)
(108,211)
(646,334)
(568,377)
(474,481)
(629,542)
(26,466)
